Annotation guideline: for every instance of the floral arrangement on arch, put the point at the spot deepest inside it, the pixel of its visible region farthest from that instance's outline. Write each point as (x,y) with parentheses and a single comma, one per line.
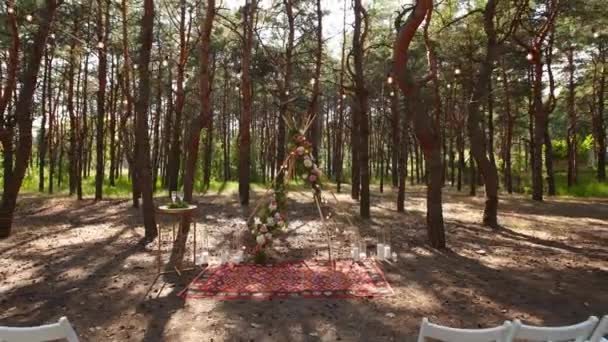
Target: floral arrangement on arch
(270,216)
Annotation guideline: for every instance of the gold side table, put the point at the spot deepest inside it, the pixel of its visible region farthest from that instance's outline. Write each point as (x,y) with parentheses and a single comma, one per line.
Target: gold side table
(181,214)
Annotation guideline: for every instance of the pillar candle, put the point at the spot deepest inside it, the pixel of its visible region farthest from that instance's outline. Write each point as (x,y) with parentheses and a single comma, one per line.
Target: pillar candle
(380,251)
(355,253)
(387,251)
(205,258)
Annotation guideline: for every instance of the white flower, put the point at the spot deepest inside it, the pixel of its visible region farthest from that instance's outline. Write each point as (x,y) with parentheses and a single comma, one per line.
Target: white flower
(300,150)
(270,222)
(260,239)
(308,163)
(257,221)
(268,236)
(264,229)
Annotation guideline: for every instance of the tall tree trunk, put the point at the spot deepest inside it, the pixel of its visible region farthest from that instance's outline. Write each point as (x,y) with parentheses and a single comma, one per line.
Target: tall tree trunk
(600,136)
(73,131)
(42,136)
(476,133)
(203,120)
(317,125)
(423,127)
(102,29)
(142,137)
(249,15)
(24,117)
(571,139)
(361,106)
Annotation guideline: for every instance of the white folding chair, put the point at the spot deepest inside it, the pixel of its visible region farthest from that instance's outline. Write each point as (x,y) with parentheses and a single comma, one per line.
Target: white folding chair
(438,332)
(50,332)
(577,332)
(600,331)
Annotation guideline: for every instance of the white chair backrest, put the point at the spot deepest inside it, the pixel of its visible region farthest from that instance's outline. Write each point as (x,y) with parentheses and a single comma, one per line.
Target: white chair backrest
(577,332)
(438,332)
(50,332)
(600,331)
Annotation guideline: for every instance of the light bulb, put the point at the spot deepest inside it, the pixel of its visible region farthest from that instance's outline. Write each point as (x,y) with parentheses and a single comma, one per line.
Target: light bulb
(390,80)
(498,78)
(529,56)
(165,63)
(343,96)
(100,45)
(449,86)
(287,92)
(52,36)
(392,93)
(313,81)
(596,35)
(11,10)
(135,66)
(457,71)
(29,18)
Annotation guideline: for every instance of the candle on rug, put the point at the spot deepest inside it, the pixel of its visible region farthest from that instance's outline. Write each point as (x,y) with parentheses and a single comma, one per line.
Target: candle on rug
(387,251)
(355,253)
(205,258)
(380,251)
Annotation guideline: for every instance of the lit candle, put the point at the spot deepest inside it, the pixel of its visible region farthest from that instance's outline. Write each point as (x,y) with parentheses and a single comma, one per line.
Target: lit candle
(380,251)
(387,251)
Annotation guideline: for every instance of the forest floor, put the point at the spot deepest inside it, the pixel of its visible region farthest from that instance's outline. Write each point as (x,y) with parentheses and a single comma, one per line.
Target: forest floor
(84,260)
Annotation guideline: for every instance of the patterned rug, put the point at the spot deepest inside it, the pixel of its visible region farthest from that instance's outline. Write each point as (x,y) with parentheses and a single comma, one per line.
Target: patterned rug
(297,279)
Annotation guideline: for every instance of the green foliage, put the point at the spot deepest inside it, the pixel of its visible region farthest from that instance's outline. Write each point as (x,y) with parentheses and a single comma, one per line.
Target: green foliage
(587,185)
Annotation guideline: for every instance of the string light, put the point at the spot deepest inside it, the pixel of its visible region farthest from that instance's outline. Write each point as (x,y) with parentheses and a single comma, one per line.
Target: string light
(498,78)
(392,93)
(29,18)
(390,80)
(287,92)
(529,56)
(125,102)
(52,36)
(457,71)
(313,81)
(596,35)
(100,45)
(344,96)
(11,10)
(449,86)
(135,66)
(165,63)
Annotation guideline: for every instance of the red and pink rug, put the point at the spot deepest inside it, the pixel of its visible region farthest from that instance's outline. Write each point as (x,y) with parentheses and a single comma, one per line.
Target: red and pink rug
(296,279)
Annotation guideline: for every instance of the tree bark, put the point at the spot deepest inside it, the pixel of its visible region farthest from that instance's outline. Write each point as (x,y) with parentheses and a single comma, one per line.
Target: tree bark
(24,117)
(476,133)
(360,109)
(203,120)
(249,15)
(102,29)
(423,127)
(142,136)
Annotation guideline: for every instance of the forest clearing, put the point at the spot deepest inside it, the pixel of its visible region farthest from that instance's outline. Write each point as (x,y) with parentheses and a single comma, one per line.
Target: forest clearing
(303,170)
